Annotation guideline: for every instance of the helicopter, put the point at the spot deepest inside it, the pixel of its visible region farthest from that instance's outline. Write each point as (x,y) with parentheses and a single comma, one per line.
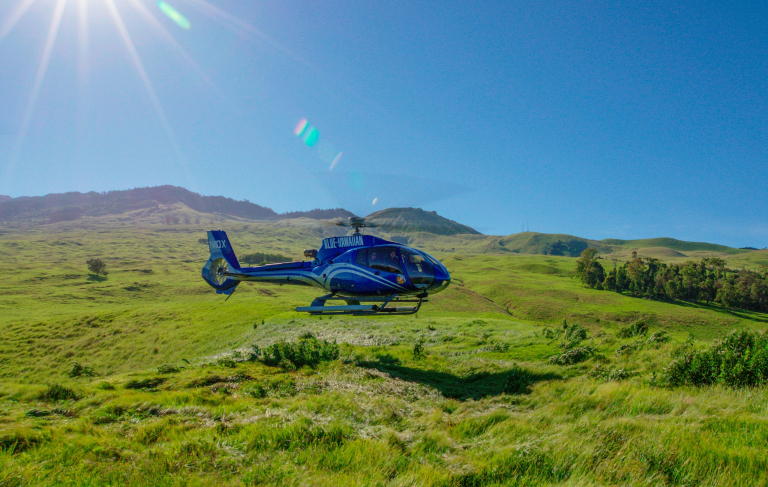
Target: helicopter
(372,276)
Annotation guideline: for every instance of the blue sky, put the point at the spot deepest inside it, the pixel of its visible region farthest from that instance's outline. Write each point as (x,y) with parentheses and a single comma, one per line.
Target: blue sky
(599,119)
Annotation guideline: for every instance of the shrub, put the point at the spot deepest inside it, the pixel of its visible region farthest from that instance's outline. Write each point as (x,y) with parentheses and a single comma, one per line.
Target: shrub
(97,266)
(628,348)
(637,328)
(150,383)
(254,354)
(602,372)
(572,356)
(500,347)
(572,335)
(549,333)
(518,381)
(740,359)
(418,350)
(56,393)
(227,362)
(305,352)
(168,369)
(79,370)
(258,391)
(657,338)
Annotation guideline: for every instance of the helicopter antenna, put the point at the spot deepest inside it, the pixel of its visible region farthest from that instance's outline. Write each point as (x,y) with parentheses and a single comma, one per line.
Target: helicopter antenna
(357,223)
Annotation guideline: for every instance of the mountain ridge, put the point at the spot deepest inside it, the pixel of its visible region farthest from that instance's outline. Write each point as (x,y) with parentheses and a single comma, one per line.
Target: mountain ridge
(58,207)
(62,207)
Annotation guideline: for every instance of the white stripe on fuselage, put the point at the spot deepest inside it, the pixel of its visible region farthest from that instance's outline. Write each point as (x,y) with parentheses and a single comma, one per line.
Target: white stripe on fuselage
(367,274)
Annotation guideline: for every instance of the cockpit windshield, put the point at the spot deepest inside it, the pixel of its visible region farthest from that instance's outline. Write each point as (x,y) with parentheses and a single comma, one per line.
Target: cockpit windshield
(419,268)
(380,258)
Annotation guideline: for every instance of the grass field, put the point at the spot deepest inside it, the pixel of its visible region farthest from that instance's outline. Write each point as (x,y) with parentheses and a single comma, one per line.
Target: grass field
(176,398)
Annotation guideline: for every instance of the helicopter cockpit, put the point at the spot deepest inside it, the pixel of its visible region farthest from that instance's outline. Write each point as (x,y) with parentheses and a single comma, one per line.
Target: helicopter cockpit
(417,266)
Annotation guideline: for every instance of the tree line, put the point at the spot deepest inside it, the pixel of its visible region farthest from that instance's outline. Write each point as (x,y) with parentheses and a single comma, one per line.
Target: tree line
(707,281)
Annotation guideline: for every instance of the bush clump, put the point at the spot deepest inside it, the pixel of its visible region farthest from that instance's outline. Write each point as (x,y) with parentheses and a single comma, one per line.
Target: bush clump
(572,356)
(549,333)
(637,328)
(657,338)
(310,352)
(56,392)
(168,369)
(602,372)
(227,362)
(572,335)
(740,359)
(630,347)
(518,381)
(148,384)
(80,370)
(418,350)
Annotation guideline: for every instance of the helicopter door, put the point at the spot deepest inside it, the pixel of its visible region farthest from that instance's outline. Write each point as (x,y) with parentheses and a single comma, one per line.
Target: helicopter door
(420,270)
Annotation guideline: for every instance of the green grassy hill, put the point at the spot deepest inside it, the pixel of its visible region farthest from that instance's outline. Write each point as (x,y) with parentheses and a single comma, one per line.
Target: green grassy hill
(749,259)
(175,396)
(544,243)
(670,243)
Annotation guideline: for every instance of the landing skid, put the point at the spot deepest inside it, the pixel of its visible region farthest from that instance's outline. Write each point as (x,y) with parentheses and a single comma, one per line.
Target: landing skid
(354,308)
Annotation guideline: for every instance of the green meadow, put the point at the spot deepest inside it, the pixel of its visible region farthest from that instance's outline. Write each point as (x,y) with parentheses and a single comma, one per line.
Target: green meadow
(147,377)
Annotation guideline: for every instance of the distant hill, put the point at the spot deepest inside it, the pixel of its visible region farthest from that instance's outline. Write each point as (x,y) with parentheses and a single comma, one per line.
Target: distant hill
(569,245)
(415,220)
(669,243)
(72,206)
(406,225)
(544,243)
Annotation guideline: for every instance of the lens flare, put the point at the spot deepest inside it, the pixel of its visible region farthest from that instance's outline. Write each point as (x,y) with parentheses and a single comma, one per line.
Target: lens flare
(375,200)
(335,161)
(174,15)
(306,132)
(301,127)
(311,136)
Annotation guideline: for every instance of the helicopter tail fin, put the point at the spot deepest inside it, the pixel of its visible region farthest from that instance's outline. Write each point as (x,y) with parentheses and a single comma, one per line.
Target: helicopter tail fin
(221,264)
(221,248)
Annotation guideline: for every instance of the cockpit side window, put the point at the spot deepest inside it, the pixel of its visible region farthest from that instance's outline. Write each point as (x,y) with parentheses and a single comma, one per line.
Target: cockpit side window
(420,269)
(362,257)
(384,259)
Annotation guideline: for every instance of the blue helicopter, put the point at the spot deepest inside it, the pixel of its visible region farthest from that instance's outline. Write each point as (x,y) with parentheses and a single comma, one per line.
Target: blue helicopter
(371,275)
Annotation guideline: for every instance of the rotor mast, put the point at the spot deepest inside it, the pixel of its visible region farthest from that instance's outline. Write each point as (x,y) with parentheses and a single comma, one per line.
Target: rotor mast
(356,223)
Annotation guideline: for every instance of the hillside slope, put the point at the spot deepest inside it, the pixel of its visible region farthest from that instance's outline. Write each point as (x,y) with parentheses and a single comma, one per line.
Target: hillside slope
(148,377)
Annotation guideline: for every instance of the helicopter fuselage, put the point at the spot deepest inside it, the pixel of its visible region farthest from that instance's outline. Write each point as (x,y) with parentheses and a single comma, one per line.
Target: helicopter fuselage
(357,265)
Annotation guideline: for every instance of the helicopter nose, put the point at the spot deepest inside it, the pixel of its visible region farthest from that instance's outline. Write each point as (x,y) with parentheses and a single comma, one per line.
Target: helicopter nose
(442,280)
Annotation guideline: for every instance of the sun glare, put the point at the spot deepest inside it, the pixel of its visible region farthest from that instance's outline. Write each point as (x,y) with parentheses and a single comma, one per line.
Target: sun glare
(114,7)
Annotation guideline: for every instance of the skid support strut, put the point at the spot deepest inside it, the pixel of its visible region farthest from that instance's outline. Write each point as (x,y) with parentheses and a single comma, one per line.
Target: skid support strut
(388,305)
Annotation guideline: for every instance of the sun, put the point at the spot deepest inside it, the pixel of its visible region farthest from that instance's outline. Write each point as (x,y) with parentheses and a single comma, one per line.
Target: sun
(114,7)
